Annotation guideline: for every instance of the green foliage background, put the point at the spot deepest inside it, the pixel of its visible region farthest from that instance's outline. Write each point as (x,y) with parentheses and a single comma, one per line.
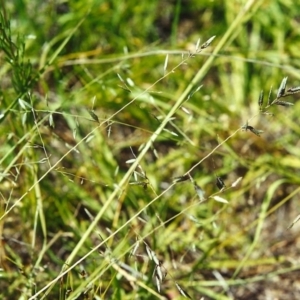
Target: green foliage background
(82,92)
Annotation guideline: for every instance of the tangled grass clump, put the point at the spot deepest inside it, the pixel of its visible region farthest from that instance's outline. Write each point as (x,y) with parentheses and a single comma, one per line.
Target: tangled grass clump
(131,171)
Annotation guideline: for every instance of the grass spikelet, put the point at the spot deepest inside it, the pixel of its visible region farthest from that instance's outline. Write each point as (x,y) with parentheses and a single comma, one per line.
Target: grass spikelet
(281,90)
(182,292)
(207,43)
(284,103)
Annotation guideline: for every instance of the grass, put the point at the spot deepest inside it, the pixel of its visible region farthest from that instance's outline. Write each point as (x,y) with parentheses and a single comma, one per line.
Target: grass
(116,124)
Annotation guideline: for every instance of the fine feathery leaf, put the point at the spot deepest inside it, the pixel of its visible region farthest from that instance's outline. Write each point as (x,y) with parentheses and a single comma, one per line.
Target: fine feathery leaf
(180,178)
(255,131)
(269,96)
(220,183)
(252,129)
(94,116)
